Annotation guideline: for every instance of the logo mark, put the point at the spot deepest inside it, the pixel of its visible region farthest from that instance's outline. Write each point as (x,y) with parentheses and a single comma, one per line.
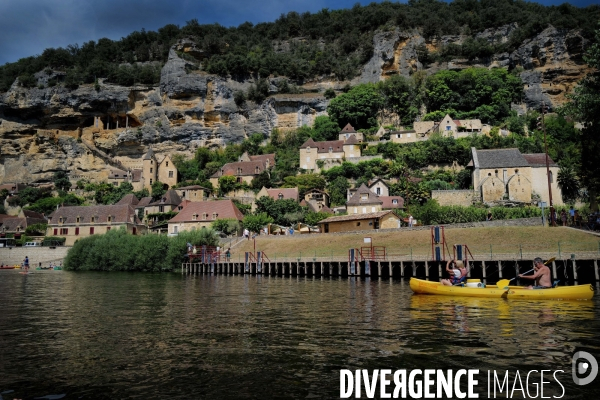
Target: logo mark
(582,363)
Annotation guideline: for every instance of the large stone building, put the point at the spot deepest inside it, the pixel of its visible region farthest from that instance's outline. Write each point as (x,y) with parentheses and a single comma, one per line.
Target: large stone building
(152,170)
(248,168)
(322,155)
(506,174)
(16,225)
(198,215)
(75,222)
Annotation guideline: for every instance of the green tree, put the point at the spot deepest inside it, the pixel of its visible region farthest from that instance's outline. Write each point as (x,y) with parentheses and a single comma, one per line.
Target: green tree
(325,129)
(358,107)
(61,181)
(229,226)
(312,218)
(305,182)
(254,223)
(569,184)
(338,190)
(158,190)
(227,184)
(263,179)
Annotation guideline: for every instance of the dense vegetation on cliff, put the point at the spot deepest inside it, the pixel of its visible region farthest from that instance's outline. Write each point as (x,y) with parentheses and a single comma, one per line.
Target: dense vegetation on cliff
(301,45)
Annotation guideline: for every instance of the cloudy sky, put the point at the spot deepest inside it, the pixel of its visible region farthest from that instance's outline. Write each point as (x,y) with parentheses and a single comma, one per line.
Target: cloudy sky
(27,27)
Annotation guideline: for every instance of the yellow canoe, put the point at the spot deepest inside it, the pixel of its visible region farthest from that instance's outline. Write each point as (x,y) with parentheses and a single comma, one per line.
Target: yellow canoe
(577,292)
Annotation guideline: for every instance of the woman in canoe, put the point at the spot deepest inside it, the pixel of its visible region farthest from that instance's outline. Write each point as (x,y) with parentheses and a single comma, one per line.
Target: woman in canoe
(458,274)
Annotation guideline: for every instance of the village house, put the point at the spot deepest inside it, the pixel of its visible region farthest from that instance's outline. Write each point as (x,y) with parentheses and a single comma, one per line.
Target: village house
(324,155)
(363,201)
(245,171)
(378,188)
(409,136)
(360,222)
(152,171)
(455,128)
(193,193)
(317,200)
(349,131)
(169,202)
(16,225)
(198,215)
(75,222)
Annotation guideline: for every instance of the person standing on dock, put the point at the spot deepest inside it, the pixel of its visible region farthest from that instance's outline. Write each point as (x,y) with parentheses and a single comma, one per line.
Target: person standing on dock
(541,275)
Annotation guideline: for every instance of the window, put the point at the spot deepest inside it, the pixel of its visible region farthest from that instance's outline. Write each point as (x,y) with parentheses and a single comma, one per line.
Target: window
(257,170)
(394,201)
(150,170)
(238,179)
(364,210)
(107,228)
(76,231)
(331,149)
(77,219)
(60,220)
(175,229)
(161,208)
(55,232)
(308,149)
(358,224)
(204,215)
(115,184)
(280,196)
(134,230)
(376,224)
(378,191)
(170,174)
(516,171)
(408,135)
(448,128)
(364,196)
(167,164)
(194,216)
(372,209)
(91,230)
(398,136)
(109,219)
(151,162)
(355,210)
(551,177)
(239,171)
(215,215)
(64,231)
(151,181)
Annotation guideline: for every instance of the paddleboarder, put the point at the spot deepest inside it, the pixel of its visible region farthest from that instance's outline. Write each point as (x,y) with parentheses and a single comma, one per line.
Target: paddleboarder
(541,275)
(26,264)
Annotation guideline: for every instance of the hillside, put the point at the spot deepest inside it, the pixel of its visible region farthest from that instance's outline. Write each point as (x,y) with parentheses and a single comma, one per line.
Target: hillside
(179,89)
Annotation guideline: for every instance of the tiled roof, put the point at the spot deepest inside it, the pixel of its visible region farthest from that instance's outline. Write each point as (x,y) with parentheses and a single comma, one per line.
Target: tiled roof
(456,121)
(13,188)
(129,199)
(351,140)
(121,213)
(539,160)
(183,204)
(32,214)
(193,187)
(323,147)
(498,158)
(240,168)
(288,193)
(423,126)
(355,217)
(222,209)
(357,198)
(4,216)
(263,158)
(348,129)
(388,202)
(136,175)
(169,198)
(375,180)
(144,202)
(11,224)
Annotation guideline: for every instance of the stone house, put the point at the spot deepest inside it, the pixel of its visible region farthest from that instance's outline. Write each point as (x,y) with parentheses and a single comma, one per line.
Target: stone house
(360,222)
(193,193)
(348,131)
(75,222)
(375,185)
(277,194)
(316,199)
(16,225)
(410,136)
(198,215)
(458,128)
(381,190)
(363,201)
(424,128)
(152,170)
(167,203)
(321,155)
(246,170)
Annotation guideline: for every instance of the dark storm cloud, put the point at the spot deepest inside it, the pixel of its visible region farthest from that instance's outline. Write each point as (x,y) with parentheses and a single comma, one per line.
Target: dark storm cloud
(27,27)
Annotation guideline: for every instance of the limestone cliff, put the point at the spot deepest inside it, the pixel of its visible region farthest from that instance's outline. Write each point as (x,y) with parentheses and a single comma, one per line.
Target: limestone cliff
(91,129)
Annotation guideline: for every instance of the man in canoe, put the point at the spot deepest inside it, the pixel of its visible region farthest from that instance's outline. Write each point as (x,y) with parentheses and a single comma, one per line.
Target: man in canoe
(457,274)
(541,275)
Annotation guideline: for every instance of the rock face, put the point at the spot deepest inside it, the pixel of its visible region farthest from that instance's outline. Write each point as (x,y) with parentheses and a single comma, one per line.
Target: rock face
(89,130)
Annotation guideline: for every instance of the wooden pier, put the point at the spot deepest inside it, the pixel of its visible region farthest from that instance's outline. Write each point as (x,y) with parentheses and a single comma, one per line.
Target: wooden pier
(489,271)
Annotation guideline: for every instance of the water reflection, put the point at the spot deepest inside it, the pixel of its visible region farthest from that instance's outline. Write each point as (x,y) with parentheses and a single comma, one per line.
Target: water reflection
(96,335)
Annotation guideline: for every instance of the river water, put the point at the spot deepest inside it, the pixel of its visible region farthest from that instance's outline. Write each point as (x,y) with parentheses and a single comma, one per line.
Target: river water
(155,336)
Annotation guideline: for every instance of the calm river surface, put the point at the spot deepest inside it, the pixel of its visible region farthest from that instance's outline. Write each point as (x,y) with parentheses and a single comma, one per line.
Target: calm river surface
(123,335)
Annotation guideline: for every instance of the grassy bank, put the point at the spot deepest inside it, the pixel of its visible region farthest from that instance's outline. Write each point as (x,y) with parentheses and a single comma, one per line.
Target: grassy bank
(489,241)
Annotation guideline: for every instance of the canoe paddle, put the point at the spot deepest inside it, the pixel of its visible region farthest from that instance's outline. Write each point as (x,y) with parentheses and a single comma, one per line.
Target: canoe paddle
(504,282)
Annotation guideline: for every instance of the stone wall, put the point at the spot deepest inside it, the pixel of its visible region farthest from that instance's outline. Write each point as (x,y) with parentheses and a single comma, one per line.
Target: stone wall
(453,197)
(16,255)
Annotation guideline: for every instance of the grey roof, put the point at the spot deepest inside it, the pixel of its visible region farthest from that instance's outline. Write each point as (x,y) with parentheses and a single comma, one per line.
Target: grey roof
(357,198)
(129,199)
(149,154)
(144,202)
(498,158)
(169,198)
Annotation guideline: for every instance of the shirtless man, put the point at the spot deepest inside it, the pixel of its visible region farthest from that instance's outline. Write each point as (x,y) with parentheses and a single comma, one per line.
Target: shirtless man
(541,275)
